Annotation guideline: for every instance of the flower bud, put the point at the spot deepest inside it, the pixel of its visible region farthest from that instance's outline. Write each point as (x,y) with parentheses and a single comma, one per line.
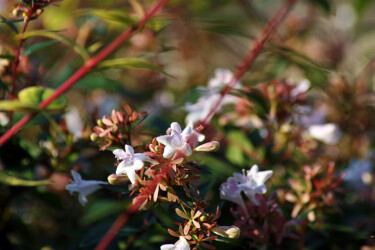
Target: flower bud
(17,12)
(208,147)
(157,148)
(115,179)
(203,218)
(94,136)
(231,232)
(100,123)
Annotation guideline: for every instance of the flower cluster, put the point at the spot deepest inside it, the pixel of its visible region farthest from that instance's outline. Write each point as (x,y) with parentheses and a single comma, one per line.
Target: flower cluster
(116,129)
(164,175)
(205,103)
(313,191)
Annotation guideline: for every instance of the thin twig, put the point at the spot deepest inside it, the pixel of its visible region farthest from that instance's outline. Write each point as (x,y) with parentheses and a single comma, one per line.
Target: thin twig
(12,93)
(117,225)
(87,67)
(249,58)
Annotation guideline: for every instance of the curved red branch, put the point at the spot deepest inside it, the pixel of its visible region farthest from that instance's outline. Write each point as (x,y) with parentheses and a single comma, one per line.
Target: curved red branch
(250,56)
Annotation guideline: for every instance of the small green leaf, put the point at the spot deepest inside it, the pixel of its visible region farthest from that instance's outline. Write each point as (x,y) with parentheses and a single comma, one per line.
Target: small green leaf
(16,105)
(58,37)
(38,46)
(11,180)
(9,23)
(130,63)
(35,95)
(101,209)
(110,16)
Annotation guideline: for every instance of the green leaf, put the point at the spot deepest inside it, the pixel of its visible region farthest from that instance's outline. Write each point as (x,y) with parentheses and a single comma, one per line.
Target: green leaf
(35,95)
(58,37)
(298,58)
(110,16)
(98,210)
(130,63)
(11,180)
(9,23)
(16,105)
(38,46)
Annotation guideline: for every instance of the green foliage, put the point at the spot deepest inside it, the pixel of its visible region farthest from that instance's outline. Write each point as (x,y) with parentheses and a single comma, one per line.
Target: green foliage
(35,95)
(130,63)
(57,37)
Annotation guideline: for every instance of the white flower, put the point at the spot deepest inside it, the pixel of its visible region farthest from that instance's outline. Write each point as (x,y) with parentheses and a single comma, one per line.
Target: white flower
(205,103)
(230,191)
(74,123)
(83,187)
(181,244)
(221,79)
(4,120)
(328,133)
(300,88)
(251,183)
(177,140)
(130,162)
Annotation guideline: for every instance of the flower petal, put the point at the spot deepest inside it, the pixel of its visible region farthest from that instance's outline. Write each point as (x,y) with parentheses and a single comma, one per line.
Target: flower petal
(176,127)
(164,139)
(119,154)
(168,151)
(121,168)
(137,164)
(129,150)
(143,157)
(82,199)
(130,172)
(76,176)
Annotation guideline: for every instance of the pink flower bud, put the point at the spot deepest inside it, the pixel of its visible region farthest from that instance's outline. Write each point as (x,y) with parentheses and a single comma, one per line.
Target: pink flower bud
(208,147)
(231,232)
(115,179)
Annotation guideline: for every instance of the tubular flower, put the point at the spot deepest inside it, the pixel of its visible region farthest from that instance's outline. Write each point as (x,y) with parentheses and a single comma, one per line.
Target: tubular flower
(177,140)
(205,103)
(253,182)
(181,244)
(130,162)
(328,133)
(83,187)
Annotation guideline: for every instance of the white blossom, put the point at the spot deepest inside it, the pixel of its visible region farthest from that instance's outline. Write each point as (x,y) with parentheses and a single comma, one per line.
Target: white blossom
(230,191)
(181,244)
(251,183)
(83,187)
(4,120)
(177,140)
(205,103)
(328,133)
(300,88)
(130,162)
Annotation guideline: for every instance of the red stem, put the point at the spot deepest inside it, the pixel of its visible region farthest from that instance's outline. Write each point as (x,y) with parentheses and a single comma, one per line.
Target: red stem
(91,63)
(118,224)
(250,56)
(12,93)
